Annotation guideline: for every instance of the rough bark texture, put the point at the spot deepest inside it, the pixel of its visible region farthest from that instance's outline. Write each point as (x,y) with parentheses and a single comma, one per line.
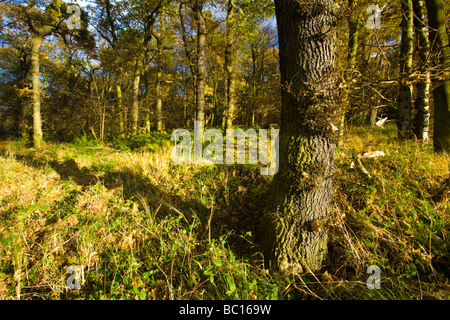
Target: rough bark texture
(422,119)
(293,234)
(406,54)
(441,93)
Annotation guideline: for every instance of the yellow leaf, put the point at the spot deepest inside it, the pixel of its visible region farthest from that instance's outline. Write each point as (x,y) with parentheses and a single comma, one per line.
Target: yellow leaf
(326,277)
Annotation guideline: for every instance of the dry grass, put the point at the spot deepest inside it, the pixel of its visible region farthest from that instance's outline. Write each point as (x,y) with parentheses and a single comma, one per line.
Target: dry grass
(144,228)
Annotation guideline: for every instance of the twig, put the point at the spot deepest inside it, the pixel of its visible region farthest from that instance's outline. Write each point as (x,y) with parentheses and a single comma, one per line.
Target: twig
(103,147)
(173,208)
(361,168)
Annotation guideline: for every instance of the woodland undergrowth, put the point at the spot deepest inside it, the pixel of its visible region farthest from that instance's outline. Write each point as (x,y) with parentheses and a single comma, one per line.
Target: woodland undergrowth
(144,228)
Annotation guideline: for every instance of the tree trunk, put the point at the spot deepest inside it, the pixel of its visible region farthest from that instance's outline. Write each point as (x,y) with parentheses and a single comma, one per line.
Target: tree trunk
(159,115)
(229,64)
(24,69)
(441,92)
(293,234)
(146,97)
(37,121)
(200,85)
(192,65)
(120,104)
(422,119)
(23,119)
(406,54)
(254,90)
(374,114)
(137,79)
(353,27)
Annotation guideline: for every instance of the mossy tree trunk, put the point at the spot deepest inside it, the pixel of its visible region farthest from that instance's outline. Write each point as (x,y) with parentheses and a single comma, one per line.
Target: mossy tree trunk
(406,54)
(293,233)
(441,92)
(353,31)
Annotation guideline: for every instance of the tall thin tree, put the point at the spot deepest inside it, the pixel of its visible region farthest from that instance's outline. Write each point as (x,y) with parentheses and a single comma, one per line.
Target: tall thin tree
(422,102)
(201,42)
(406,58)
(440,45)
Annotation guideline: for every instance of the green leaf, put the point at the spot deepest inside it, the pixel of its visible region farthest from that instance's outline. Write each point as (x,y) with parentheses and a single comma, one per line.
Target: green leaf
(217,263)
(231,283)
(142,295)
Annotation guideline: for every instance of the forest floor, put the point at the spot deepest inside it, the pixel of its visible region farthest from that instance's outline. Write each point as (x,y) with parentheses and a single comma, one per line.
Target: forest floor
(144,228)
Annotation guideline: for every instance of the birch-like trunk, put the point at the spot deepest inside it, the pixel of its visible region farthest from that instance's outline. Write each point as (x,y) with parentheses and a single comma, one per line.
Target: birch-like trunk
(422,103)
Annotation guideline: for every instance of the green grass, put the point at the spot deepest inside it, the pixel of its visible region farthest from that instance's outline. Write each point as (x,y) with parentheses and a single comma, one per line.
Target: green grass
(144,228)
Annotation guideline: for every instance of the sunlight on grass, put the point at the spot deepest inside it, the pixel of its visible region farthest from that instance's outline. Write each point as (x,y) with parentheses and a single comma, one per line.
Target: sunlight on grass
(144,228)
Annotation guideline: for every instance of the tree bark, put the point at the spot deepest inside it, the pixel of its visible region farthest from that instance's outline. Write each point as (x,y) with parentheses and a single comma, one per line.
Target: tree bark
(422,119)
(254,90)
(229,64)
(24,69)
(159,115)
(293,233)
(35,64)
(201,38)
(441,93)
(192,65)
(136,81)
(406,54)
(353,28)
(120,104)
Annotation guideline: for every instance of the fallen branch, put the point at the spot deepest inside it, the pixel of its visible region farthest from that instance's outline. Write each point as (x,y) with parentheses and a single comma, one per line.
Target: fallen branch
(360,167)
(357,162)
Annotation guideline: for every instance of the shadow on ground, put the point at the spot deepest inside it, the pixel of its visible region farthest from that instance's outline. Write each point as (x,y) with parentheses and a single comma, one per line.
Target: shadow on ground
(240,213)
